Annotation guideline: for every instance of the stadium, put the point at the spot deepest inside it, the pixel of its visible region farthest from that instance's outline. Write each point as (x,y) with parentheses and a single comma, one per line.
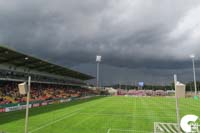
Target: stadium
(99,66)
(61,101)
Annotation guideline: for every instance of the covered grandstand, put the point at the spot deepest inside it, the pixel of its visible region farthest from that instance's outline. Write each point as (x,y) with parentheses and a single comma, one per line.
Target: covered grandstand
(15,66)
(50,82)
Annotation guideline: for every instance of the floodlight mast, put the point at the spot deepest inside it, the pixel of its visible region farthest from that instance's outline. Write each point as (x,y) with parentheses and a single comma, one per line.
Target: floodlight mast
(98,60)
(194,73)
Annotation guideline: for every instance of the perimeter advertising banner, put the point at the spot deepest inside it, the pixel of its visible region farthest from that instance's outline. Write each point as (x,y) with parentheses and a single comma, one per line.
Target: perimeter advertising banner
(9,108)
(36,105)
(65,100)
(44,104)
(15,108)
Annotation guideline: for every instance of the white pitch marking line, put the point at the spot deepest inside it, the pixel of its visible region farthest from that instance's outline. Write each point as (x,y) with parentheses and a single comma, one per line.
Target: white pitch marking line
(109,130)
(53,122)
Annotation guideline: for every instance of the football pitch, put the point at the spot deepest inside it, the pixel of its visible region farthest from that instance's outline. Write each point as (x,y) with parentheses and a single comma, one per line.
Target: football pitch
(117,114)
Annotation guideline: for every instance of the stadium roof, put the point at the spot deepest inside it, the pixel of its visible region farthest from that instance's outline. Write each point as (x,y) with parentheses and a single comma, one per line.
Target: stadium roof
(18,59)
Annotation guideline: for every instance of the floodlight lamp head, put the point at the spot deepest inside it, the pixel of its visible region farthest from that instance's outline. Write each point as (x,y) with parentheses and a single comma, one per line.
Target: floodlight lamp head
(192,56)
(98,58)
(26,58)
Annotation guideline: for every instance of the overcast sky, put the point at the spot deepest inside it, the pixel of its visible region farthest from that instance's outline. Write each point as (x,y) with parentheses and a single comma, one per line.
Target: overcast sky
(139,40)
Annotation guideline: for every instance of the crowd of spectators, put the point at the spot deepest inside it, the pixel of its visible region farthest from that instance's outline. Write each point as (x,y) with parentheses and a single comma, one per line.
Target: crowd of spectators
(142,92)
(9,93)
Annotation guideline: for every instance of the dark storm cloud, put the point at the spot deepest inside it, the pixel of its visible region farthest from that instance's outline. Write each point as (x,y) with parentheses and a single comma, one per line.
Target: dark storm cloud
(135,34)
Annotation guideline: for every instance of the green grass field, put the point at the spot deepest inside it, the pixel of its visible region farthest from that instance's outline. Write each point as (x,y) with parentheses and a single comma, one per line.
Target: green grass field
(99,115)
